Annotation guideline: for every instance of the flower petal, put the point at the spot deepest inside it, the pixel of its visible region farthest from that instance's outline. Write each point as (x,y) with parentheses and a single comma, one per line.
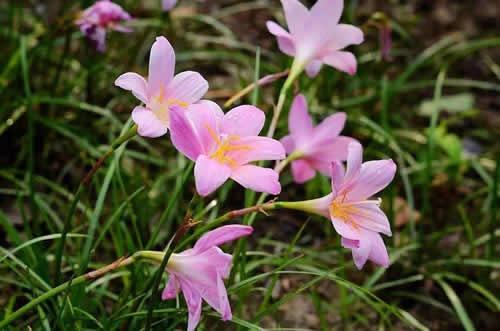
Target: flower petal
(378,252)
(296,15)
(346,35)
(224,308)
(135,83)
(302,171)
(327,11)
(354,160)
(346,229)
(337,173)
(313,68)
(348,243)
(243,121)
(323,18)
(183,135)
(161,65)
(288,143)
(329,129)
(319,165)
(360,251)
(171,289)
(168,4)
(374,176)
(343,61)
(222,235)
(206,117)
(257,178)
(330,151)
(370,246)
(256,148)
(209,175)
(204,273)
(187,86)
(299,122)
(193,302)
(285,41)
(371,217)
(148,124)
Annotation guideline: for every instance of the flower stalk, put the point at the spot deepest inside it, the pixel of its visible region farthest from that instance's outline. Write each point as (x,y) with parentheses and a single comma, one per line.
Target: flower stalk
(280,166)
(295,71)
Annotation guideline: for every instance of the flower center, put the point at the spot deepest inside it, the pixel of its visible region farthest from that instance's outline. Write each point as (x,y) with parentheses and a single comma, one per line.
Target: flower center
(224,146)
(160,106)
(350,212)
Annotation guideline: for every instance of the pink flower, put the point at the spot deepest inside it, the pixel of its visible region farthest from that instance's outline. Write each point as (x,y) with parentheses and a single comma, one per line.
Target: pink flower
(199,273)
(315,147)
(162,90)
(356,218)
(97,19)
(223,145)
(315,37)
(168,4)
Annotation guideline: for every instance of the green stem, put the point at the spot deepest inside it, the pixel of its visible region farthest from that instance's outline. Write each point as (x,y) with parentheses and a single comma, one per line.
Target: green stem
(284,163)
(295,71)
(78,280)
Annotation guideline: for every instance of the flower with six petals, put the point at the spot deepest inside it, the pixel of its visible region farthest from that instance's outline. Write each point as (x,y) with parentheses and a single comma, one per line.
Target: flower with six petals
(97,19)
(314,148)
(315,37)
(162,91)
(199,273)
(356,217)
(224,145)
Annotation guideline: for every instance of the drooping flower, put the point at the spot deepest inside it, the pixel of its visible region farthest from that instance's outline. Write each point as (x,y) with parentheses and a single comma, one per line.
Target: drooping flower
(97,19)
(315,148)
(199,273)
(316,37)
(168,4)
(162,91)
(224,145)
(356,217)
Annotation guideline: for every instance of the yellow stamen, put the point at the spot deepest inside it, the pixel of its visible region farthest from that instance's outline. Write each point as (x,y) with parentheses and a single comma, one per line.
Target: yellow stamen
(349,211)
(224,147)
(161,106)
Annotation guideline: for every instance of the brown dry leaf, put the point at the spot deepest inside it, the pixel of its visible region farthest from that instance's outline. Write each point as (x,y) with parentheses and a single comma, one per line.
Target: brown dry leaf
(404,213)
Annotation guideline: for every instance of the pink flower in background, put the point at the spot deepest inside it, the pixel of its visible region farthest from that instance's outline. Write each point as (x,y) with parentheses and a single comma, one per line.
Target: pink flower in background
(316,147)
(315,37)
(162,91)
(199,273)
(97,19)
(168,4)
(356,218)
(223,145)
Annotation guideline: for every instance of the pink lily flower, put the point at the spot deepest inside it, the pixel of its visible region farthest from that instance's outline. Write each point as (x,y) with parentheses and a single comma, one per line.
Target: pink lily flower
(97,19)
(168,4)
(223,145)
(162,90)
(314,148)
(357,218)
(315,37)
(199,273)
